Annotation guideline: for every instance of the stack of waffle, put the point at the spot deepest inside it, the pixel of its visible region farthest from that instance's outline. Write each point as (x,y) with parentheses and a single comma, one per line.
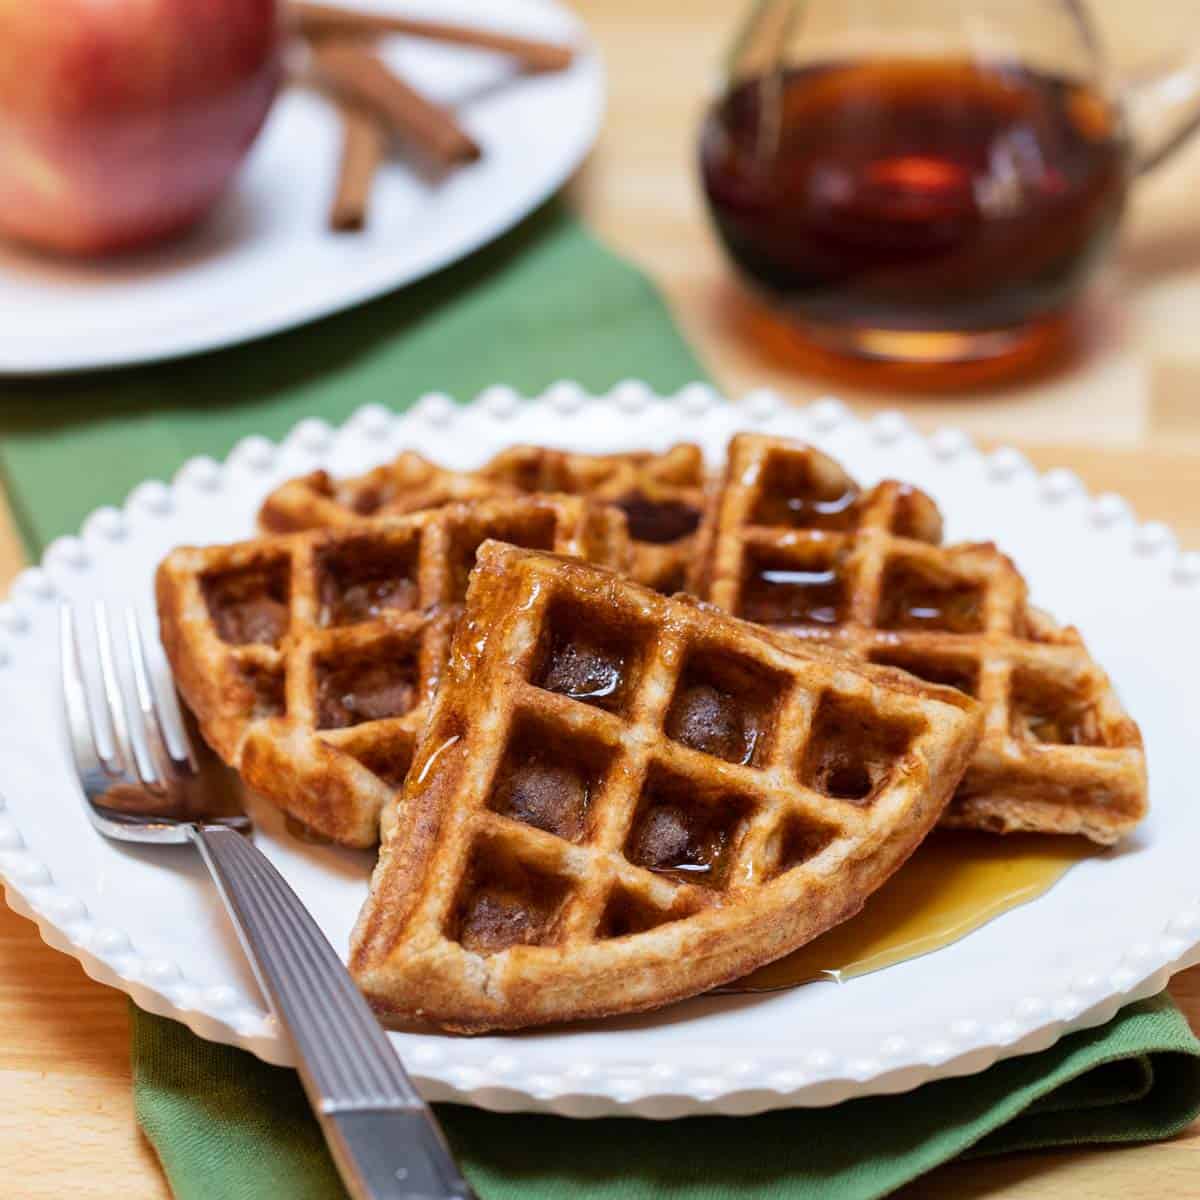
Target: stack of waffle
(597,796)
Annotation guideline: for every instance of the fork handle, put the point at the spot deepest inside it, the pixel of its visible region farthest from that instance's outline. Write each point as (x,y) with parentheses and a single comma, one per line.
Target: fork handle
(382,1135)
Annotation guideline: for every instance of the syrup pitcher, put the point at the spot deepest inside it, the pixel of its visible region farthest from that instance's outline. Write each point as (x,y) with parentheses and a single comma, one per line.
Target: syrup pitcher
(928,181)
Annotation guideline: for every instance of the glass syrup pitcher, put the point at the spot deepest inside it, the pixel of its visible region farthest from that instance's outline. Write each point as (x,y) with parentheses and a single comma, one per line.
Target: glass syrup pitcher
(927,180)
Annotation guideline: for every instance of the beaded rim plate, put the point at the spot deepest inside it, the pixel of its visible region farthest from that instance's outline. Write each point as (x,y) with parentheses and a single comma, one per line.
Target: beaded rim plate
(1113,930)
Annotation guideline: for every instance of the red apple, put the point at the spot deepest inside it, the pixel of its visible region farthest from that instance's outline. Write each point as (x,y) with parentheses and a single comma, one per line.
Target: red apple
(121,121)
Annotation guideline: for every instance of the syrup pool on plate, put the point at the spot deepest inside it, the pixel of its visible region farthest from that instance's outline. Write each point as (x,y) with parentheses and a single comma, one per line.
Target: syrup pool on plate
(952,885)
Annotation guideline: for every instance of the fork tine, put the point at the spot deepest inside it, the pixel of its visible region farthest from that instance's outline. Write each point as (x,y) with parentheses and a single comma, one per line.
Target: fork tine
(130,736)
(81,728)
(108,717)
(151,730)
(164,730)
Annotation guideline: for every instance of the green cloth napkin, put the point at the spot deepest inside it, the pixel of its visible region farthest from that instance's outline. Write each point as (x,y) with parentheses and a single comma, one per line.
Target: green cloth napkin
(228,1127)
(547,302)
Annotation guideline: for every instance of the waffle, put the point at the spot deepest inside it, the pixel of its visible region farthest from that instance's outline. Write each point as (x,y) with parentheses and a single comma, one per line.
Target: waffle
(622,800)
(309,660)
(790,541)
(661,495)
(407,484)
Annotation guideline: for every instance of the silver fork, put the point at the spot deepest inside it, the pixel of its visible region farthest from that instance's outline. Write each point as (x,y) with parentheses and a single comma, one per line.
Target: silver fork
(144,782)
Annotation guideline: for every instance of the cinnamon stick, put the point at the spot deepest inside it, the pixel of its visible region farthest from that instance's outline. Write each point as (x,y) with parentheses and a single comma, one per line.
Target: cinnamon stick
(357,73)
(330,20)
(363,138)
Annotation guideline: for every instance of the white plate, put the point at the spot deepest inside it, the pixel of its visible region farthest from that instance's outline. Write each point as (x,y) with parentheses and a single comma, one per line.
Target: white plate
(266,261)
(1114,929)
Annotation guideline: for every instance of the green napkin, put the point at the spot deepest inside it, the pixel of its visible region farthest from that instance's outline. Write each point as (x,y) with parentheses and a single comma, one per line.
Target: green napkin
(547,302)
(228,1127)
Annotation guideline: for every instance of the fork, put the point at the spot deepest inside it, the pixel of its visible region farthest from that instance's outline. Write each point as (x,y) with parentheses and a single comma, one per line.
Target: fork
(144,782)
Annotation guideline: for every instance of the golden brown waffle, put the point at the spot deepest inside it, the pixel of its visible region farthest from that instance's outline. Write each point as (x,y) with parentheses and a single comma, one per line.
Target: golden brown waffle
(407,484)
(661,494)
(790,541)
(309,660)
(622,800)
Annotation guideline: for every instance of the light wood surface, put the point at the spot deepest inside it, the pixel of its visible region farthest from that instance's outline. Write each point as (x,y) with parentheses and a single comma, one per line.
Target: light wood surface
(1126,416)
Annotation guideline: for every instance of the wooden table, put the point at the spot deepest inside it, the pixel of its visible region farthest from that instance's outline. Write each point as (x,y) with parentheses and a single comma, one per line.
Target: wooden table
(1126,416)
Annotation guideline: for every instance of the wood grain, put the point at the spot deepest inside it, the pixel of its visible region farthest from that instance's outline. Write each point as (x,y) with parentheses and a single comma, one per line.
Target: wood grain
(66,1105)
(1125,416)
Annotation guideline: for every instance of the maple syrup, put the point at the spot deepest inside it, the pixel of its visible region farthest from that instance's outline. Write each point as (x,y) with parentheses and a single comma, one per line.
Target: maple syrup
(908,198)
(779,591)
(952,885)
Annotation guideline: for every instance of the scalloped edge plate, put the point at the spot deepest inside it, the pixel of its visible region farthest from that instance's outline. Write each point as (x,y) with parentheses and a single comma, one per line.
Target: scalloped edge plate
(1113,930)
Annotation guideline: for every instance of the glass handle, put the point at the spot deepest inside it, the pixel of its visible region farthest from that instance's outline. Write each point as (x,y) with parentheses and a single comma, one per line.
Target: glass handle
(1164,112)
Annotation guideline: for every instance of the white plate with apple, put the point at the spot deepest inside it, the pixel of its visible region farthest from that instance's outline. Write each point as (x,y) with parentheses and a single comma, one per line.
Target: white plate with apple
(263,259)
